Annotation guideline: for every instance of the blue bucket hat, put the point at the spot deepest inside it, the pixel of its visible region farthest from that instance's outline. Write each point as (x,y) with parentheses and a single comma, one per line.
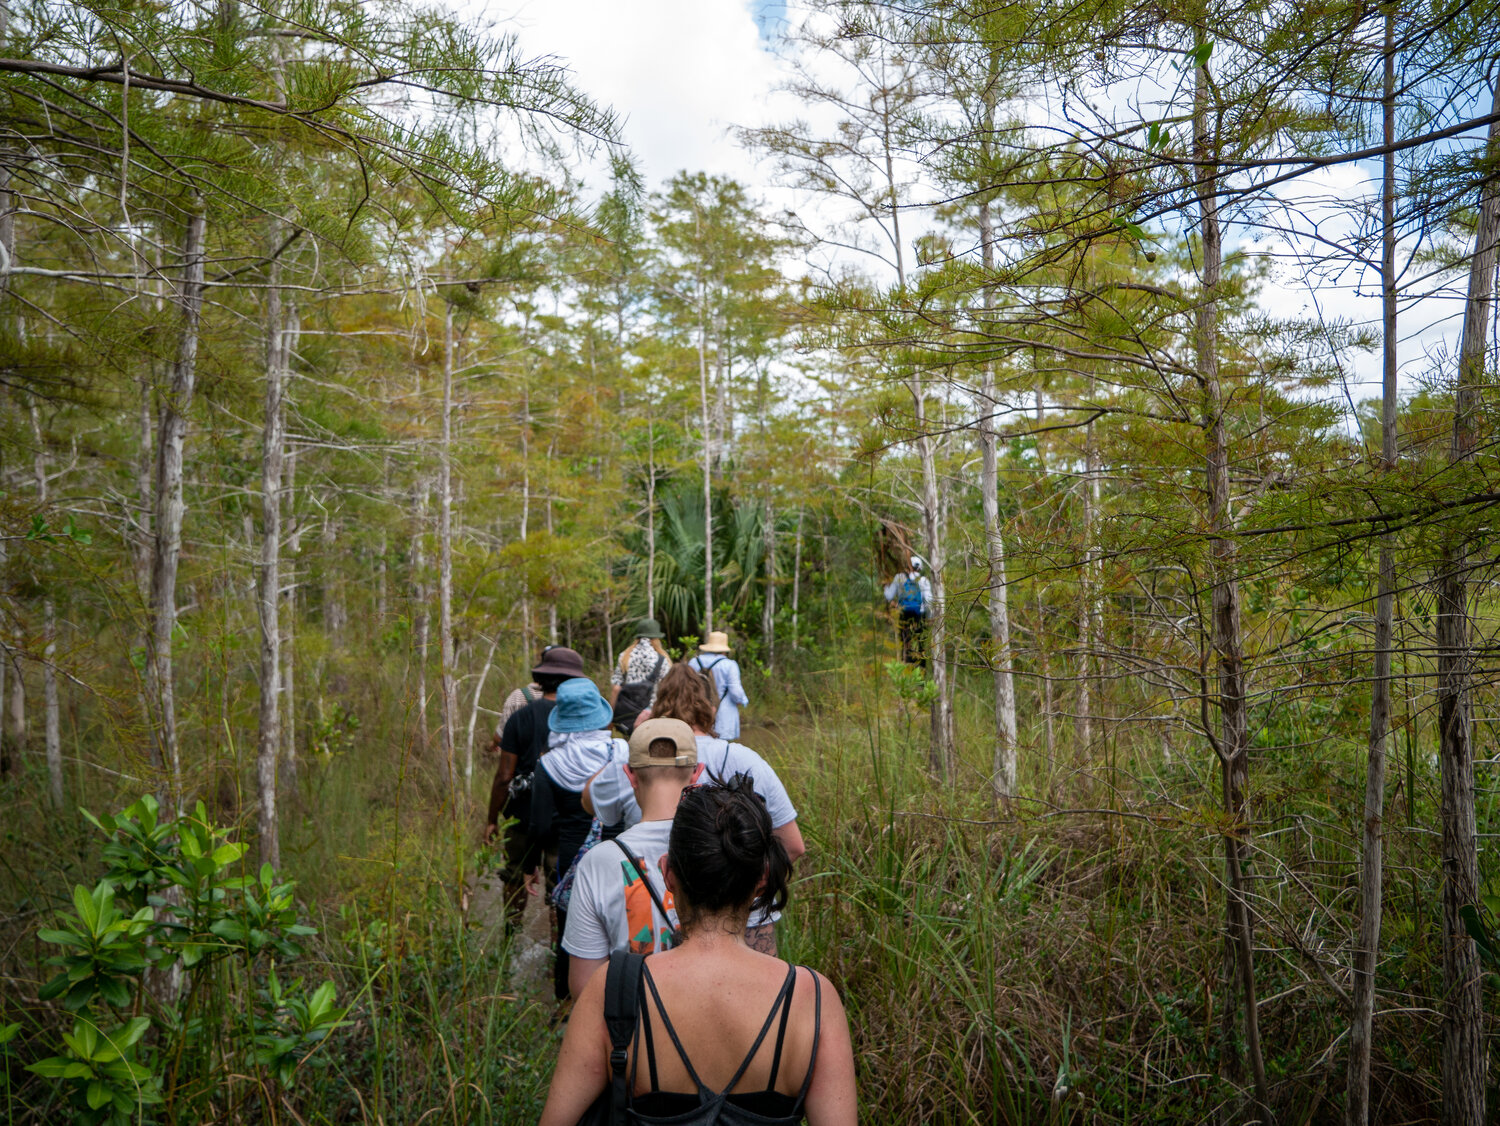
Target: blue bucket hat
(579,708)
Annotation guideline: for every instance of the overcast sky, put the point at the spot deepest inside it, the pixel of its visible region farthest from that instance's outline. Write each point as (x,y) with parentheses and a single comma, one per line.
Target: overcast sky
(679,72)
(682,72)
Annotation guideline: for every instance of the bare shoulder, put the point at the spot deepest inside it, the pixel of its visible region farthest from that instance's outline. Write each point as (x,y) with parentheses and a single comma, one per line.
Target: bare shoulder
(813,985)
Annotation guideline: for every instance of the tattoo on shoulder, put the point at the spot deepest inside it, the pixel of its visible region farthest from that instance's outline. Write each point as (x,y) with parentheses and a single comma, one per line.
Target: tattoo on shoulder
(762,938)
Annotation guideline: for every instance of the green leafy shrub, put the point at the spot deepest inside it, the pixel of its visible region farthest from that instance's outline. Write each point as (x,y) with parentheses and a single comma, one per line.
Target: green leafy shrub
(163,943)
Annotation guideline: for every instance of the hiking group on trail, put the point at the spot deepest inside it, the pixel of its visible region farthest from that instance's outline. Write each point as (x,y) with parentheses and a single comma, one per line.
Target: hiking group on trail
(666,858)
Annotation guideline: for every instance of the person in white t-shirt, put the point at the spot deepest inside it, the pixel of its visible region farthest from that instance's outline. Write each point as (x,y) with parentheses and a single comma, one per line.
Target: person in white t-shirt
(620,898)
(683,694)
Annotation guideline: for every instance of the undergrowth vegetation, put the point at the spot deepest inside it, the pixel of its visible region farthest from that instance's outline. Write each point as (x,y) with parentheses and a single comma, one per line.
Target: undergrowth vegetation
(1059,960)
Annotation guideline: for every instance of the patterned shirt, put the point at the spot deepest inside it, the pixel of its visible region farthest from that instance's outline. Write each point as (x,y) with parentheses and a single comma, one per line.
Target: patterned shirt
(642,660)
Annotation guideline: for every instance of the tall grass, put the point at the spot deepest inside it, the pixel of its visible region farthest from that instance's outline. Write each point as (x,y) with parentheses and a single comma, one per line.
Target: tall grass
(1055,961)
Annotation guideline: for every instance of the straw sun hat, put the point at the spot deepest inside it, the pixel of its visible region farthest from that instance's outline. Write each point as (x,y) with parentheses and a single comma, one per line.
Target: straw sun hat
(717,643)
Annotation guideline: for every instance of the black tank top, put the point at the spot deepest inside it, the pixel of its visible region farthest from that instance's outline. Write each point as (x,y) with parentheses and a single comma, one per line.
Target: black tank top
(751,1108)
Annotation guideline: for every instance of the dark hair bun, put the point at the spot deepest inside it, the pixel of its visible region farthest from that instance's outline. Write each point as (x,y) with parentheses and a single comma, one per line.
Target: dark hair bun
(723,851)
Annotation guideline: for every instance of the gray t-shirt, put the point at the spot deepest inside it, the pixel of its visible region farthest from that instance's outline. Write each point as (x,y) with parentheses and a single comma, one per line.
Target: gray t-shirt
(614,800)
(611,908)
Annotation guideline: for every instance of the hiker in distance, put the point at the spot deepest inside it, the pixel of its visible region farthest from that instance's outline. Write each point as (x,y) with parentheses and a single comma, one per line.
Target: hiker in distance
(703,1014)
(619,899)
(684,695)
(713,661)
(521,742)
(911,593)
(637,673)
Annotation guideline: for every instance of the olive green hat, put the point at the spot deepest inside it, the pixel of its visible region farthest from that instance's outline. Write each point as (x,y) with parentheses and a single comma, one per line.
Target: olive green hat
(648,627)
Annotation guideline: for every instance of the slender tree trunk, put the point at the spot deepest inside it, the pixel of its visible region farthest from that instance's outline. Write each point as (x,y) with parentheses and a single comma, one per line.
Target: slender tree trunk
(768,606)
(484,675)
(708,491)
(334,614)
(1464,1065)
(143,537)
(797,576)
(289,583)
(167,550)
(420,616)
(1088,631)
(1043,650)
(50,725)
(141,541)
(650,520)
(268,600)
(940,750)
(12,686)
(1234,730)
(1003,771)
(720,379)
(15,705)
(51,715)
(445,571)
(1367,944)
(552,605)
(526,631)
(1044,675)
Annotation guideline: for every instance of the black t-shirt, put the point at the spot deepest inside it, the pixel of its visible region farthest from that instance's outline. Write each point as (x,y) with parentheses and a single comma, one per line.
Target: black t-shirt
(525,734)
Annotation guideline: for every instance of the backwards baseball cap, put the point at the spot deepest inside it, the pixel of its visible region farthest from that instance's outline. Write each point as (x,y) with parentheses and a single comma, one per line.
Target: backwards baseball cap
(663,742)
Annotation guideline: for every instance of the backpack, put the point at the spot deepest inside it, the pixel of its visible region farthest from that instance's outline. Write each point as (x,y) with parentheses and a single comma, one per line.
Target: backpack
(706,672)
(910,599)
(622,1003)
(634,697)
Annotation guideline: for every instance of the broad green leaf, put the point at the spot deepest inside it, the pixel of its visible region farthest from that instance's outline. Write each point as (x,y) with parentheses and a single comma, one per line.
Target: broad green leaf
(131,1032)
(320,1002)
(62,938)
(227,854)
(98,1094)
(80,995)
(231,929)
(84,904)
(54,988)
(53,1067)
(115,992)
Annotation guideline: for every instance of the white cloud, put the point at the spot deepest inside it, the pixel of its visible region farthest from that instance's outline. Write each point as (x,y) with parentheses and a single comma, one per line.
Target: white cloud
(679,72)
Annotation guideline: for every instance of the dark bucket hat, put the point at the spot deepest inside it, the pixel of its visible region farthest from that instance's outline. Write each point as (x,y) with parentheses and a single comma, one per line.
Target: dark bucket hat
(559,660)
(648,627)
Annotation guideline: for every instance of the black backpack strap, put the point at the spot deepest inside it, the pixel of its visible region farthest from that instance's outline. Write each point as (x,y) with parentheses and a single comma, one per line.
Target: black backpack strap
(622,1003)
(656,668)
(640,866)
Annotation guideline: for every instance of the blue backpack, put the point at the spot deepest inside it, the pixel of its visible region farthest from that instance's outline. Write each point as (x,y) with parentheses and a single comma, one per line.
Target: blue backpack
(911,595)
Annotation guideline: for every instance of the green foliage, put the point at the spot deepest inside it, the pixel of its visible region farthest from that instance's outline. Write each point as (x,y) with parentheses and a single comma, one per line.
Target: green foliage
(103,1081)
(171,902)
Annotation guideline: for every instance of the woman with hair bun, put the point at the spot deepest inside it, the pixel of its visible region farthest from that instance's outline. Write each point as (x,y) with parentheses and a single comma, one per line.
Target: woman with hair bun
(723,1033)
(685,694)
